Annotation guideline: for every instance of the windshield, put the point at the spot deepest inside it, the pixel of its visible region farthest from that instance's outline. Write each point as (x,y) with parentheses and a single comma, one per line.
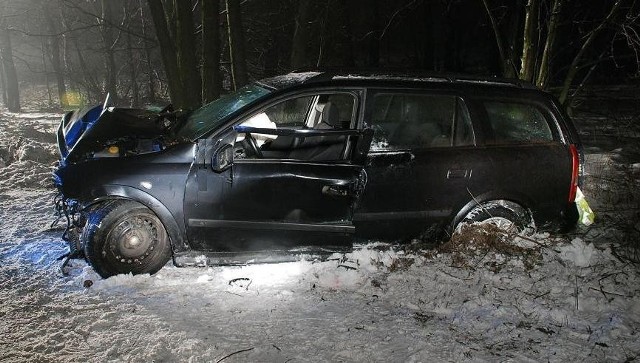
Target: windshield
(211,115)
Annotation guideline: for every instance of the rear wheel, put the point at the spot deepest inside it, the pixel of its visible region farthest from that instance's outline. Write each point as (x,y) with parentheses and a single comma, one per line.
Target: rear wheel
(507,216)
(123,237)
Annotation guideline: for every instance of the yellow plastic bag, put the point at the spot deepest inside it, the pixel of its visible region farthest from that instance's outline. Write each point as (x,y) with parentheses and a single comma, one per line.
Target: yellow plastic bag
(585,213)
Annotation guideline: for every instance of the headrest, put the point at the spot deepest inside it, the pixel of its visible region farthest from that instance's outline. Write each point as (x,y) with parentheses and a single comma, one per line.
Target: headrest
(331,115)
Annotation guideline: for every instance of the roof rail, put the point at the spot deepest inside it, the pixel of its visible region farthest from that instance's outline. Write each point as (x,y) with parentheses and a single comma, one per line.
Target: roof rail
(328,73)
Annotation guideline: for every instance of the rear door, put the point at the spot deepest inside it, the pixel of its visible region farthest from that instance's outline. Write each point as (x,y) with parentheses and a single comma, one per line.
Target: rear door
(419,164)
(294,181)
(523,155)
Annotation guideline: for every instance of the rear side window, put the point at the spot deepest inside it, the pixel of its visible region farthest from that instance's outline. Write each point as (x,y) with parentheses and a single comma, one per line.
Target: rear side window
(516,123)
(419,121)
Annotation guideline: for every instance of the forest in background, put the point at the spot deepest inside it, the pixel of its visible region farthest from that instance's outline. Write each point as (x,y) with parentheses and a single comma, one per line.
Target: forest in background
(191,51)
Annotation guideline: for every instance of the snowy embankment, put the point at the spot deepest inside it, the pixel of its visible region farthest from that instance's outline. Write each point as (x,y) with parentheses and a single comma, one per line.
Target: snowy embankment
(562,298)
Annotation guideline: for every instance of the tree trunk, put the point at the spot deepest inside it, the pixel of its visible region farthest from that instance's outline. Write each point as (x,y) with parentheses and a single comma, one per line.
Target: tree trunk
(302,34)
(54,56)
(554,20)
(133,74)
(151,81)
(11,88)
(167,51)
(515,19)
(323,34)
(187,57)
(236,44)
(438,30)
(86,74)
(45,70)
(504,60)
(3,86)
(210,50)
(106,25)
(529,42)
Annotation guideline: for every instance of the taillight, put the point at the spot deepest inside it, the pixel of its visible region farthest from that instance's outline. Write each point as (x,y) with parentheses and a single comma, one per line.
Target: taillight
(575,169)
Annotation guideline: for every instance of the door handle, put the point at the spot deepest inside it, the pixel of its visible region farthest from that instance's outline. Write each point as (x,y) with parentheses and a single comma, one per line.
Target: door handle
(457,173)
(336,190)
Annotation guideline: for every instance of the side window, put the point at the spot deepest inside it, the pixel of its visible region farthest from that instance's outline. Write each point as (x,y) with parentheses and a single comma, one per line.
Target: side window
(326,111)
(515,123)
(420,121)
(290,113)
(332,111)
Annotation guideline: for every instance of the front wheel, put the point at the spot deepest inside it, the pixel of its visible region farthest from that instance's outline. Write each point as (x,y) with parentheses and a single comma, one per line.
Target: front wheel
(123,237)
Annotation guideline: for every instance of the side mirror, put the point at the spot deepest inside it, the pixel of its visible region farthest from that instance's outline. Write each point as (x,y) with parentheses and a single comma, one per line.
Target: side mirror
(222,159)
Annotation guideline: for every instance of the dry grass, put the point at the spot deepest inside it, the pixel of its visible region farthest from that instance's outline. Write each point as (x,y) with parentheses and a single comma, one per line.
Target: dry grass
(487,245)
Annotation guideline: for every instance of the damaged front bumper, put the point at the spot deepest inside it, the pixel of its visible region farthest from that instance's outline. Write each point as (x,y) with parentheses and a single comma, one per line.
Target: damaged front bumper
(70,212)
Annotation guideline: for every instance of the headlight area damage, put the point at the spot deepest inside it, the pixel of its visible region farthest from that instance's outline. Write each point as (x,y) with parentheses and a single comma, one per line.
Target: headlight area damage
(93,134)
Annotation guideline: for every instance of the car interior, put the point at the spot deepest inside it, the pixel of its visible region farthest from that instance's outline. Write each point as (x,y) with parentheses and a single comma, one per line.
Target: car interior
(323,112)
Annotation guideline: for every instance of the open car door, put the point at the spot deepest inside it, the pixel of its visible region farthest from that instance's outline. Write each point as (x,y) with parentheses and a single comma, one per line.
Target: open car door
(295,191)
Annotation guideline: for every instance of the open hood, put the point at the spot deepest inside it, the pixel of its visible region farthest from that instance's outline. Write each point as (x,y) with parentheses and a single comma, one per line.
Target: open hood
(87,132)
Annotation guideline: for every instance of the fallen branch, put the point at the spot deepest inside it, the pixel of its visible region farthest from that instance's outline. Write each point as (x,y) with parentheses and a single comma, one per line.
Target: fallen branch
(576,276)
(604,292)
(347,267)
(234,353)
(450,275)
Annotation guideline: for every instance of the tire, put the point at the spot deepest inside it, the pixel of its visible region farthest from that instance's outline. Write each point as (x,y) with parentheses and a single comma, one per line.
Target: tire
(506,215)
(123,237)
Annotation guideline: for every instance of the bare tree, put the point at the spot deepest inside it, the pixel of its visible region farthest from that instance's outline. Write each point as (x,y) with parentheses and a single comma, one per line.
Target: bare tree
(549,47)
(210,50)
(106,20)
(235,31)
(302,34)
(530,41)
(574,67)
(167,50)
(10,78)
(187,56)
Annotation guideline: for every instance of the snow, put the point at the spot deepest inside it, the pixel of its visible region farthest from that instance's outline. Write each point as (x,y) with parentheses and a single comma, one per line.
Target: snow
(578,253)
(576,302)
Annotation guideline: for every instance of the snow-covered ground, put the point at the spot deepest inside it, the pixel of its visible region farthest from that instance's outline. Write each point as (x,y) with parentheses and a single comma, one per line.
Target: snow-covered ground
(562,298)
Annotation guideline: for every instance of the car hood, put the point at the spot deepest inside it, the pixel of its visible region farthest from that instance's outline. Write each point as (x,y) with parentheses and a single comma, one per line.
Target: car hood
(92,129)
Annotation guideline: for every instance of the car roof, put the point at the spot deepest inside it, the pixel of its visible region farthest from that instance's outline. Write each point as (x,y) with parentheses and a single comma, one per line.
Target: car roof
(386,78)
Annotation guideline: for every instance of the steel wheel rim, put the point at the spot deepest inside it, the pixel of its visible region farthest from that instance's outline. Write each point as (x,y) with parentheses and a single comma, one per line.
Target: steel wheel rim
(134,238)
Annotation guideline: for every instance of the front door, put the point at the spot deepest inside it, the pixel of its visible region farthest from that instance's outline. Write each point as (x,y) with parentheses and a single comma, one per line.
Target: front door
(293,183)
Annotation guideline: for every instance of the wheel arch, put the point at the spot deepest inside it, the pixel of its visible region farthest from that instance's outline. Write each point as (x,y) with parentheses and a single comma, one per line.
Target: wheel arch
(476,200)
(174,229)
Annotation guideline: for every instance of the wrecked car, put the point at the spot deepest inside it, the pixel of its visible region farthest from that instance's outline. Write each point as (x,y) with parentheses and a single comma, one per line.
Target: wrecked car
(307,163)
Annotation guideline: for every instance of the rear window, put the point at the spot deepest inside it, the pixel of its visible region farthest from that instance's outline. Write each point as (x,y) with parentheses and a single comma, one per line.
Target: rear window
(516,123)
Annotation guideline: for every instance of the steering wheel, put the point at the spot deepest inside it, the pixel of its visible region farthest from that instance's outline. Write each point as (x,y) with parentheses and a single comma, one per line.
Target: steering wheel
(251,141)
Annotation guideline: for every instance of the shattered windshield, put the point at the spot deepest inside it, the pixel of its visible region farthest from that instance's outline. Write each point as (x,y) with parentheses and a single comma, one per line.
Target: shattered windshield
(210,115)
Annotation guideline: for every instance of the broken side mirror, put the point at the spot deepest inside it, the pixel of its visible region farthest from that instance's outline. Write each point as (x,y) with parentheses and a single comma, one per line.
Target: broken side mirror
(222,159)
